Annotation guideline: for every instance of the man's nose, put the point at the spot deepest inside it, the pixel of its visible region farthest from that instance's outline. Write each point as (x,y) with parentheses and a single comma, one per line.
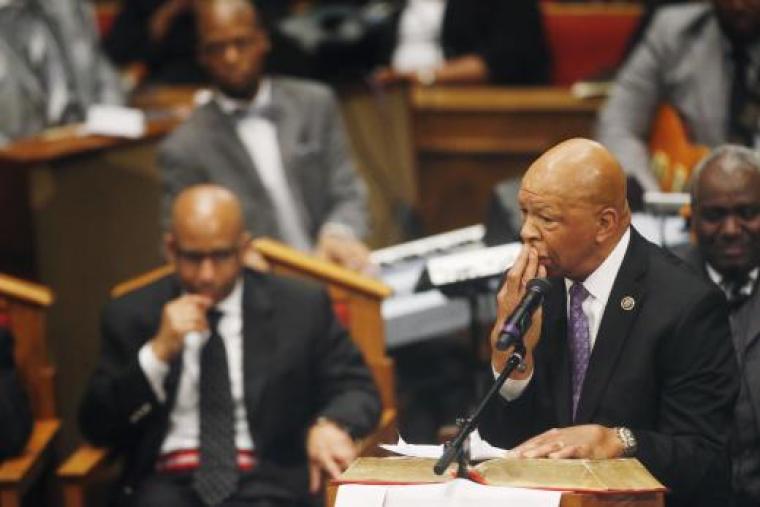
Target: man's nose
(231,53)
(206,270)
(528,231)
(731,226)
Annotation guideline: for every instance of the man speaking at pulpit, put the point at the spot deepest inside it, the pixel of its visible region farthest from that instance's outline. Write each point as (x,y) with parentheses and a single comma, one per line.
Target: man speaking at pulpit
(630,354)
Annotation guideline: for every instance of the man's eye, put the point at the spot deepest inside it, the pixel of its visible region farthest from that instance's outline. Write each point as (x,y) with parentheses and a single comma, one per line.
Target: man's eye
(749,212)
(713,214)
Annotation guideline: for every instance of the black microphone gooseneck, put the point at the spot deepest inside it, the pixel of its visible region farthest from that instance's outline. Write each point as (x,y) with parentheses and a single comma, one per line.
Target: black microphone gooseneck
(512,333)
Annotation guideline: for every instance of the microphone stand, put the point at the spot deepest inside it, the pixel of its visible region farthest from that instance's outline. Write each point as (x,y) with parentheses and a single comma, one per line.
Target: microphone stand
(458,448)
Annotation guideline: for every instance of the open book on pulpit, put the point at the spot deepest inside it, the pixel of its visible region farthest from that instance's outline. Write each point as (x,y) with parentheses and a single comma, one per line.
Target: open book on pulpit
(625,475)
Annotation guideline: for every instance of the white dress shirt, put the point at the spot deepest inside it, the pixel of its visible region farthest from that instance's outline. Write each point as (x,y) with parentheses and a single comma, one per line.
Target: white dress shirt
(259,137)
(419,36)
(184,418)
(717,279)
(599,286)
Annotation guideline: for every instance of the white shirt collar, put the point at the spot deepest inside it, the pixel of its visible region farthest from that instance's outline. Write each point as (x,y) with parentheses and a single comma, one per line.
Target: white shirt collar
(233,303)
(599,283)
(717,278)
(262,99)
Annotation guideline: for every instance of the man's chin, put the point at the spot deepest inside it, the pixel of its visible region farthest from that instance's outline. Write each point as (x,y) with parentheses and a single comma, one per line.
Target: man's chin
(238,92)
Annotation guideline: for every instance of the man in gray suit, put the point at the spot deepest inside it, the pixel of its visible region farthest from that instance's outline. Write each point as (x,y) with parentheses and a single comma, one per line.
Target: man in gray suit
(701,58)
(726,213)
(278,143)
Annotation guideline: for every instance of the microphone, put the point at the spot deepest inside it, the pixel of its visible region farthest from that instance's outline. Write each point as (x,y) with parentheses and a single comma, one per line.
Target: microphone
(519,322)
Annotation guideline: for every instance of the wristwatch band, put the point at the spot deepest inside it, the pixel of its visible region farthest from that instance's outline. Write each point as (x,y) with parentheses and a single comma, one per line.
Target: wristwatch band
(628,440)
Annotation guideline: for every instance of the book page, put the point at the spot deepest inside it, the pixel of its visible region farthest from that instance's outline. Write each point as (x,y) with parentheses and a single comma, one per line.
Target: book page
(615,475)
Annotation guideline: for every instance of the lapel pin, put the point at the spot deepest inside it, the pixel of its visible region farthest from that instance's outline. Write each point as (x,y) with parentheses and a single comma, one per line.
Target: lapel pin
(627,303)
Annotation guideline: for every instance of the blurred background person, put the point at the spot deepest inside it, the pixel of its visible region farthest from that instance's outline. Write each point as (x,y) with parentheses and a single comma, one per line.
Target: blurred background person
(93,78)
(726,220)
(461,41)
(51,66)
(279,143)
(703,60)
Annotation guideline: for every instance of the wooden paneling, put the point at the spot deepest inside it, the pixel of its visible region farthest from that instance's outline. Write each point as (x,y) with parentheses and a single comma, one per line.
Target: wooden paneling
(468,139)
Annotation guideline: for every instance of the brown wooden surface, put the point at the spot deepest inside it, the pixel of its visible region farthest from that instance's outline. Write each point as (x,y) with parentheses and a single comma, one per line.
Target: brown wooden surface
(26,305)
(58,143)
(466,140)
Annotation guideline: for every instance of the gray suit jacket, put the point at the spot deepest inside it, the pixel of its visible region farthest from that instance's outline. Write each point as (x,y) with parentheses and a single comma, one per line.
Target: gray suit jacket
(315,156)
(683,60)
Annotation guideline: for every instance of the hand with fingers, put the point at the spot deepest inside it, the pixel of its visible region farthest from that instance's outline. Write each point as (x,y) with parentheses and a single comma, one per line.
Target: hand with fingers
(180,316)
(345,251)
(525,268)
(587,441)
(330,450)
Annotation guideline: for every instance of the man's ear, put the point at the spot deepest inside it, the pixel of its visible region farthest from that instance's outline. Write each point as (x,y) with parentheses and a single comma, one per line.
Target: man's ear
(608,222)
(170,247)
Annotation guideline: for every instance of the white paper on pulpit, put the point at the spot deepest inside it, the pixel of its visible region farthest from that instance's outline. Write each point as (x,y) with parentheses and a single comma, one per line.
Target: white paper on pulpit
(480,450)
(455,493)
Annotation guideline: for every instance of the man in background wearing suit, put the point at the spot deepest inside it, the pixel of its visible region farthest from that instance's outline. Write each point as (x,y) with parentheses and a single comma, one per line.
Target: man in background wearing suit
(225,386)
(631,353)
(278,143)
(725,197)
(15,416)
(703,59)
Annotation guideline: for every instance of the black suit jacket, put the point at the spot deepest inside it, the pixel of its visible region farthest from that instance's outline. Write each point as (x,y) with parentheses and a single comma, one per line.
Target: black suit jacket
(508,35)
(298,364)
(15,416)
(664,368)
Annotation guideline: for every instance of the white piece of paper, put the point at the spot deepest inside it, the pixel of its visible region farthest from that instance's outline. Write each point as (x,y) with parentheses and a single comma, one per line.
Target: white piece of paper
(479,449)
(109,120)
(456,493)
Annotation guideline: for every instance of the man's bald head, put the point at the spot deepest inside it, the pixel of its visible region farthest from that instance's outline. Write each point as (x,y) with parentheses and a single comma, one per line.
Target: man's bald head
(207,240)
(574,205)
(580,171)
(206,209)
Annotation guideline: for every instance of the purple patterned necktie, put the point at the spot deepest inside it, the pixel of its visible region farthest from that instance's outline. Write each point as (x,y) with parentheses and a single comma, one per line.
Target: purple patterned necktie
(578,339)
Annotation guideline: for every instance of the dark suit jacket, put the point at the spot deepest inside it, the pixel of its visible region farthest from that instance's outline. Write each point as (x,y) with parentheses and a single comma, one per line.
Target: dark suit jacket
(298,364)
(663,369)
(508,35)
(15,416)
(745,330)
(315,158)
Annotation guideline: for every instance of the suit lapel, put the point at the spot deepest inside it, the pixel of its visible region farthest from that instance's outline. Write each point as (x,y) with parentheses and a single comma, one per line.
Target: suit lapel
(618,318)
(259,339)
(293,138)
(290,131)
(558,359)
(226,143)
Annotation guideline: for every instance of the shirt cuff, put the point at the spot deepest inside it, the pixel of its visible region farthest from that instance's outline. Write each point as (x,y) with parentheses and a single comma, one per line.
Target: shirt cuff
(155,370)
(512,388)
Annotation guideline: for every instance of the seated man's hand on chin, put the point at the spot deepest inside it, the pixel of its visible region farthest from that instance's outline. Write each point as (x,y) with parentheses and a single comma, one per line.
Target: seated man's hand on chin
(330,450)
(588,441)
(345,250)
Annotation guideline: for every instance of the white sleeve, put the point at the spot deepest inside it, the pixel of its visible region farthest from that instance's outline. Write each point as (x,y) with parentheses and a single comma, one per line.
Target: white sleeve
(155,370)
(512,388)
